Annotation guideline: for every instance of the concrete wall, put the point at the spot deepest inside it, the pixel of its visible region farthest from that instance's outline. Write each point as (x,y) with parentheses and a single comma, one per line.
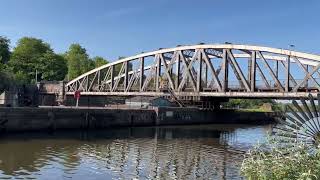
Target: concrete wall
(170,116)
(27,119)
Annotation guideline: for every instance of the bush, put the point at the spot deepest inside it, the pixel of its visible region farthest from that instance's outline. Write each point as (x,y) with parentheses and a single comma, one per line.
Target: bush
(277,162)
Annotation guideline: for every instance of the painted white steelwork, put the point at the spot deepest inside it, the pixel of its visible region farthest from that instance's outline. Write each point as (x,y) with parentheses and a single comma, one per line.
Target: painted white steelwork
(216,70)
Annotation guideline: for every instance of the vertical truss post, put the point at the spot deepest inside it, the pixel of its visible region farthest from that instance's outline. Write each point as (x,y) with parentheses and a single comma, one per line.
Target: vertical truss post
(307,71)
(253,71)
(98,83)
(141,73)
(158,71)
(177,82)
(112,77)
(277,69)
(199,77)
(224,71)
(205,75)
(126,75)
(287,84)
(249,68)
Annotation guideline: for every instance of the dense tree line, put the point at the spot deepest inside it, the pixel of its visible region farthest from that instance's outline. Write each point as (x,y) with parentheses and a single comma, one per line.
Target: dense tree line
(33,58)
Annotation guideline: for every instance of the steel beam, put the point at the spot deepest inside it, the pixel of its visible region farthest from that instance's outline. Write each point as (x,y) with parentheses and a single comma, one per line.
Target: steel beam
(126,75)
(253,71)
(158,75)
(287,84)
(214,74)
(238,70)
(225,66)
(141,72)
(271,71)
(199,73)
(112,78)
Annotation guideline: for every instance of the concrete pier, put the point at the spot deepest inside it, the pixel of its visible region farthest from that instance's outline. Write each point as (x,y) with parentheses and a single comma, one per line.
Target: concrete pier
(36,119)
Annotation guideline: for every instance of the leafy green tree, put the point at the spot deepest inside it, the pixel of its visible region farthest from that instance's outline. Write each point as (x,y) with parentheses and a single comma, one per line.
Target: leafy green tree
(78,61)
(99,61)
(4,50)
(52,67)
(26,57)
(31,55)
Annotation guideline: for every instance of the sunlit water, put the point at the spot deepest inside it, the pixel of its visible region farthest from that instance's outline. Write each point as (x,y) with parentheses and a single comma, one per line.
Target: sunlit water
(189,152)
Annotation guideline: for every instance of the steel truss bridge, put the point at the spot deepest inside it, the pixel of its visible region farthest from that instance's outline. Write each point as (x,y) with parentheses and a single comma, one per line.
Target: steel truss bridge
(206,70)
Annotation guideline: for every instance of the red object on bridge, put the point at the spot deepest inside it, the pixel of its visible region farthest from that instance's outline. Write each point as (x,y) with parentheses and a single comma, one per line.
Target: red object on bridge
(77,95)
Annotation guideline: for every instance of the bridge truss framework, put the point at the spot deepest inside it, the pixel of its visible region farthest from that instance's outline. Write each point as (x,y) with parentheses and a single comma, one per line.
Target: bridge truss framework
(218,70)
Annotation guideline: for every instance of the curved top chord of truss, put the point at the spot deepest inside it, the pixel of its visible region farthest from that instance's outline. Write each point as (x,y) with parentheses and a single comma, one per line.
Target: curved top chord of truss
(221,70)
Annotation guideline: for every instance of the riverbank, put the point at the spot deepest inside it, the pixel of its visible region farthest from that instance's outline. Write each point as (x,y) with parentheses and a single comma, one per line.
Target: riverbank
(50,119)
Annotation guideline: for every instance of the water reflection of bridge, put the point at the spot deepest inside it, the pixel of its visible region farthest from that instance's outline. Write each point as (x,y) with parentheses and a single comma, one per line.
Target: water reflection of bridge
(128,153)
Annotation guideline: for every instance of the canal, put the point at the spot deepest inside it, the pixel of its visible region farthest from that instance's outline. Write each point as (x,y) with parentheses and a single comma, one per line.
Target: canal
(173,152)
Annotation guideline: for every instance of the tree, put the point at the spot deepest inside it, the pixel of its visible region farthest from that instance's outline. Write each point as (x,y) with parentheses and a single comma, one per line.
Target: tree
(4,50)
(52,67)
(6,80)
(117,67)
(99,61)
(31,55)
(78,61)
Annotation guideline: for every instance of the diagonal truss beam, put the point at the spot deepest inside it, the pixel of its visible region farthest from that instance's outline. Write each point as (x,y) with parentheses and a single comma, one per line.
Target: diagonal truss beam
(213,71)
(238,70)
(290,75)
(270,71)
(308,76)
(167,71)
(187,70)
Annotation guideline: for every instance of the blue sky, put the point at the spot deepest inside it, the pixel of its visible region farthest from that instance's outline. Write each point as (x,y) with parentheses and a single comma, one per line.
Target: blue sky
(124,28)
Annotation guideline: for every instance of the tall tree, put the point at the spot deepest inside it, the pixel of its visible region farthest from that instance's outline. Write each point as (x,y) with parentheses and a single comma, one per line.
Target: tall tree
(99,61)
(78,61)
(52,67)
(4,50)
(33,56)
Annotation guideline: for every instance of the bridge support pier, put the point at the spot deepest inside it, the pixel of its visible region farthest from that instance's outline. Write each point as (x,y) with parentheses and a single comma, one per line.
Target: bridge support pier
(61,95)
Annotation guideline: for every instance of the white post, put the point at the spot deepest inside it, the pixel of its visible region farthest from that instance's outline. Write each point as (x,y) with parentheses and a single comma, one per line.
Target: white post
(77,103)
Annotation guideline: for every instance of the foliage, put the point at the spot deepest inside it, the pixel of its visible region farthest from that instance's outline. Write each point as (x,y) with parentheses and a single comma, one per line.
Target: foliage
(117,67)
(6,79)
(4,50)
(52,67)
(99,61)
(281,163)
(78,61)
(31,55)
(251,104)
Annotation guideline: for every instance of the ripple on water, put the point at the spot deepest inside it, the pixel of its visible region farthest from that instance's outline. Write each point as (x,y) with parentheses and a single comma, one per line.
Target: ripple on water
(157,156)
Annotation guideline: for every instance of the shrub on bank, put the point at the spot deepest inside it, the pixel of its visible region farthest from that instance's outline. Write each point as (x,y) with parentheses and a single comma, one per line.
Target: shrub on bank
(276,162)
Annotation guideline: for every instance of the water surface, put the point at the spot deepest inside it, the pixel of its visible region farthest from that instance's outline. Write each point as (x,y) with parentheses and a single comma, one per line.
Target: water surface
(185,152)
